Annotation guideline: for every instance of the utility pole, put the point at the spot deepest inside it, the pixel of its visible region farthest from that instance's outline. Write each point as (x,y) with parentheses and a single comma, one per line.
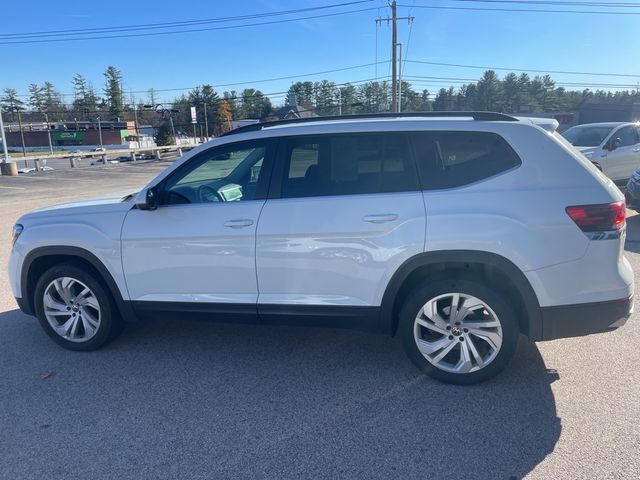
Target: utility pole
(173,130)
(394,46)
(100,131)
(24,148)
(135,118)
(5,158)
(400,79)
(206,121)
(46,119)
(394,62)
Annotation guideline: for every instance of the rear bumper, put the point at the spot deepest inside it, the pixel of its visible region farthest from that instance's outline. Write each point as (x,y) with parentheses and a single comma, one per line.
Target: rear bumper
(584,318)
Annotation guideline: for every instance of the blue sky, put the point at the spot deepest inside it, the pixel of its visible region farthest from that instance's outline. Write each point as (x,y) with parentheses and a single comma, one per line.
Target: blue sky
(586,43)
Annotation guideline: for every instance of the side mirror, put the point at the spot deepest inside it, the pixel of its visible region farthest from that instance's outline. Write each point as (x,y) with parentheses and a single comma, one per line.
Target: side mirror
(614,143)
(150,201)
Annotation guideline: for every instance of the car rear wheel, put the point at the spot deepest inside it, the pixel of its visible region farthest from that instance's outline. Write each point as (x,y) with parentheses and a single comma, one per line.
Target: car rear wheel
(75,309)
(458,330)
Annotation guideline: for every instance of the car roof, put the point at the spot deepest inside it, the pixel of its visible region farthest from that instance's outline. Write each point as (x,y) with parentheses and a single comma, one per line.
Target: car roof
(604,124)
(373,126)
(388,118)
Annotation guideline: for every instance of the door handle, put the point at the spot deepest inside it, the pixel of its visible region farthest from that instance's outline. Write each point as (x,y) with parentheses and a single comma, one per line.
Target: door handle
(245,222)
(380,218)
(636,149)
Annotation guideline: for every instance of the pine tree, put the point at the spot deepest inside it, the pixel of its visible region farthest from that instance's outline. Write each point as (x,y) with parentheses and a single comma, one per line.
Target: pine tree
(489,91)
(113,92)
(52,98)
(349,99)
(36,97)
(253,104)
(11,101)
(85,100)
(164,135)
(325,98)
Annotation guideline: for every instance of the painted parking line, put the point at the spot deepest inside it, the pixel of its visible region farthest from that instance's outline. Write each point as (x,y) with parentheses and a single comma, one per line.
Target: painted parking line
(13,188)
(64,178)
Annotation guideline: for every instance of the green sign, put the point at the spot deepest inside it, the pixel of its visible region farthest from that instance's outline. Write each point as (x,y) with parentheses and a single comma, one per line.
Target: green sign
(68,138)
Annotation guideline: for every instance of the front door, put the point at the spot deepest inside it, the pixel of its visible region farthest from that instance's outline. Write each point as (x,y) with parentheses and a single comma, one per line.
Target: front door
(621,162)
(198,247)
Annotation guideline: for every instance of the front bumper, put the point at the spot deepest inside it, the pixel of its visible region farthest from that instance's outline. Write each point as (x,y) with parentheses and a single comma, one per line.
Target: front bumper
(24,306)
(584,318)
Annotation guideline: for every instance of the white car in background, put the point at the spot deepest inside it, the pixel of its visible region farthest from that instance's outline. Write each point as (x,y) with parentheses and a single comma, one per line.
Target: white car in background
(614,147)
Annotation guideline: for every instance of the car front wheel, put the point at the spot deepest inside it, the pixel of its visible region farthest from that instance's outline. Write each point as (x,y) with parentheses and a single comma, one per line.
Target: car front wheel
(75,309)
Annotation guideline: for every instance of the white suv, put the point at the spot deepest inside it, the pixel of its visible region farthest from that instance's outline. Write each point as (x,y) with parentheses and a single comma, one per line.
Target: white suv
(454,231)
(614,147)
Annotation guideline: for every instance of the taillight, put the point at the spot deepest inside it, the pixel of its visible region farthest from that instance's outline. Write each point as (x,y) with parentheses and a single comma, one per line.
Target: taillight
(598,218)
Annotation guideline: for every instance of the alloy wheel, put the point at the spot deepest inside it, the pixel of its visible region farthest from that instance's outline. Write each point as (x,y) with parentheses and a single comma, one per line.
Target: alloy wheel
(72,309)
(458,333)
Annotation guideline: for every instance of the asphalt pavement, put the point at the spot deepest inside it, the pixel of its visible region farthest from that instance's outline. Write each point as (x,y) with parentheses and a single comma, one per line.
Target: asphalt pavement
(198,400)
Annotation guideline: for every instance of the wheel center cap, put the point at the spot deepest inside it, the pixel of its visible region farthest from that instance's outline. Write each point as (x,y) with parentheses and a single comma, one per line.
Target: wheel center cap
(75,308)
(457,331)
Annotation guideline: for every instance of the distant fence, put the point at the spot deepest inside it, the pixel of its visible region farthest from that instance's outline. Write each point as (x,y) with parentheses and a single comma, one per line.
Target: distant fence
(76,156)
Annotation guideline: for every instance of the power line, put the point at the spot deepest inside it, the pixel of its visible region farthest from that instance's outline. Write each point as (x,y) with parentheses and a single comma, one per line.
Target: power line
(147,26)
(484,67)
(459,80)
(530,10)
(559,3)
(406,50)
(173,32)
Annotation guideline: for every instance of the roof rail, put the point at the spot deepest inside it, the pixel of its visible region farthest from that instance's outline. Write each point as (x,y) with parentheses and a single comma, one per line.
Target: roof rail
(480,116)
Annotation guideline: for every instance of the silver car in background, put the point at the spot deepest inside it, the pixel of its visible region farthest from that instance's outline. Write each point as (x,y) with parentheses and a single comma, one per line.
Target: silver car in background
(614,147)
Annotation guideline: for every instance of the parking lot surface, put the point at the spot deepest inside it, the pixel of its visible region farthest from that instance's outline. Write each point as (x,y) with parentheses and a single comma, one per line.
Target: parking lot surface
(188,399)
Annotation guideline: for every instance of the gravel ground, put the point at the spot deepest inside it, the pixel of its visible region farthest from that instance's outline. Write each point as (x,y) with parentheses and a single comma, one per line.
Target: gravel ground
(194,400)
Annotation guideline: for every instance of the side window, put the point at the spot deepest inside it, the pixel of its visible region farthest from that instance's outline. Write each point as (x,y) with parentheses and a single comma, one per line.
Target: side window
(454,159)
(221,174)
(627,136)
(303,157)
(348,164)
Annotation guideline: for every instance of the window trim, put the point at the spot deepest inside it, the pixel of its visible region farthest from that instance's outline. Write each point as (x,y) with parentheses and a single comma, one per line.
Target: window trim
(282,164)
(262,186)
(432,164)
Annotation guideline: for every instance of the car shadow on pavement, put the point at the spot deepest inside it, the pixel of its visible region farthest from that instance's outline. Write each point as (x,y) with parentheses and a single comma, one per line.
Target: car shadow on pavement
(192,399)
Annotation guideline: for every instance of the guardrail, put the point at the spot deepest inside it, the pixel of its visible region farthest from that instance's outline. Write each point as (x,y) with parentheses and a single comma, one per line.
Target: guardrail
(74,157)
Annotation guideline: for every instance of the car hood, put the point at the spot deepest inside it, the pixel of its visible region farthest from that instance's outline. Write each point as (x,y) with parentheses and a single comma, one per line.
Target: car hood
(113,198)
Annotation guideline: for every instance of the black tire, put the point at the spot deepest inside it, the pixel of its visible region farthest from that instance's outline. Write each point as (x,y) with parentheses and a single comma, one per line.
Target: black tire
(110,325)
(470,286)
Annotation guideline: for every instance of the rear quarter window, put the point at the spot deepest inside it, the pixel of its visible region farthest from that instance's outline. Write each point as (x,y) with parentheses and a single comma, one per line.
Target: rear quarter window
(455,159)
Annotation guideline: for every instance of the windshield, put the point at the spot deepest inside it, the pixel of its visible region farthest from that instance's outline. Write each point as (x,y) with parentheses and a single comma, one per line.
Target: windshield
(587,135)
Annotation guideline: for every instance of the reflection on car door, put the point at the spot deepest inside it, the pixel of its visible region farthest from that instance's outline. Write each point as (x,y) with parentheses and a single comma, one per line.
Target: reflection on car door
(198,247)
(349,212)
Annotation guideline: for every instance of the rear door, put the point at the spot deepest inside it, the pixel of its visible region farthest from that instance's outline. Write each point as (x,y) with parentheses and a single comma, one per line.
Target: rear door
(344,212)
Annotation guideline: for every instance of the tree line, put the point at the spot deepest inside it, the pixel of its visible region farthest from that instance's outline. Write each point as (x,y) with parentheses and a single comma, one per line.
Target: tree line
(511,94)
